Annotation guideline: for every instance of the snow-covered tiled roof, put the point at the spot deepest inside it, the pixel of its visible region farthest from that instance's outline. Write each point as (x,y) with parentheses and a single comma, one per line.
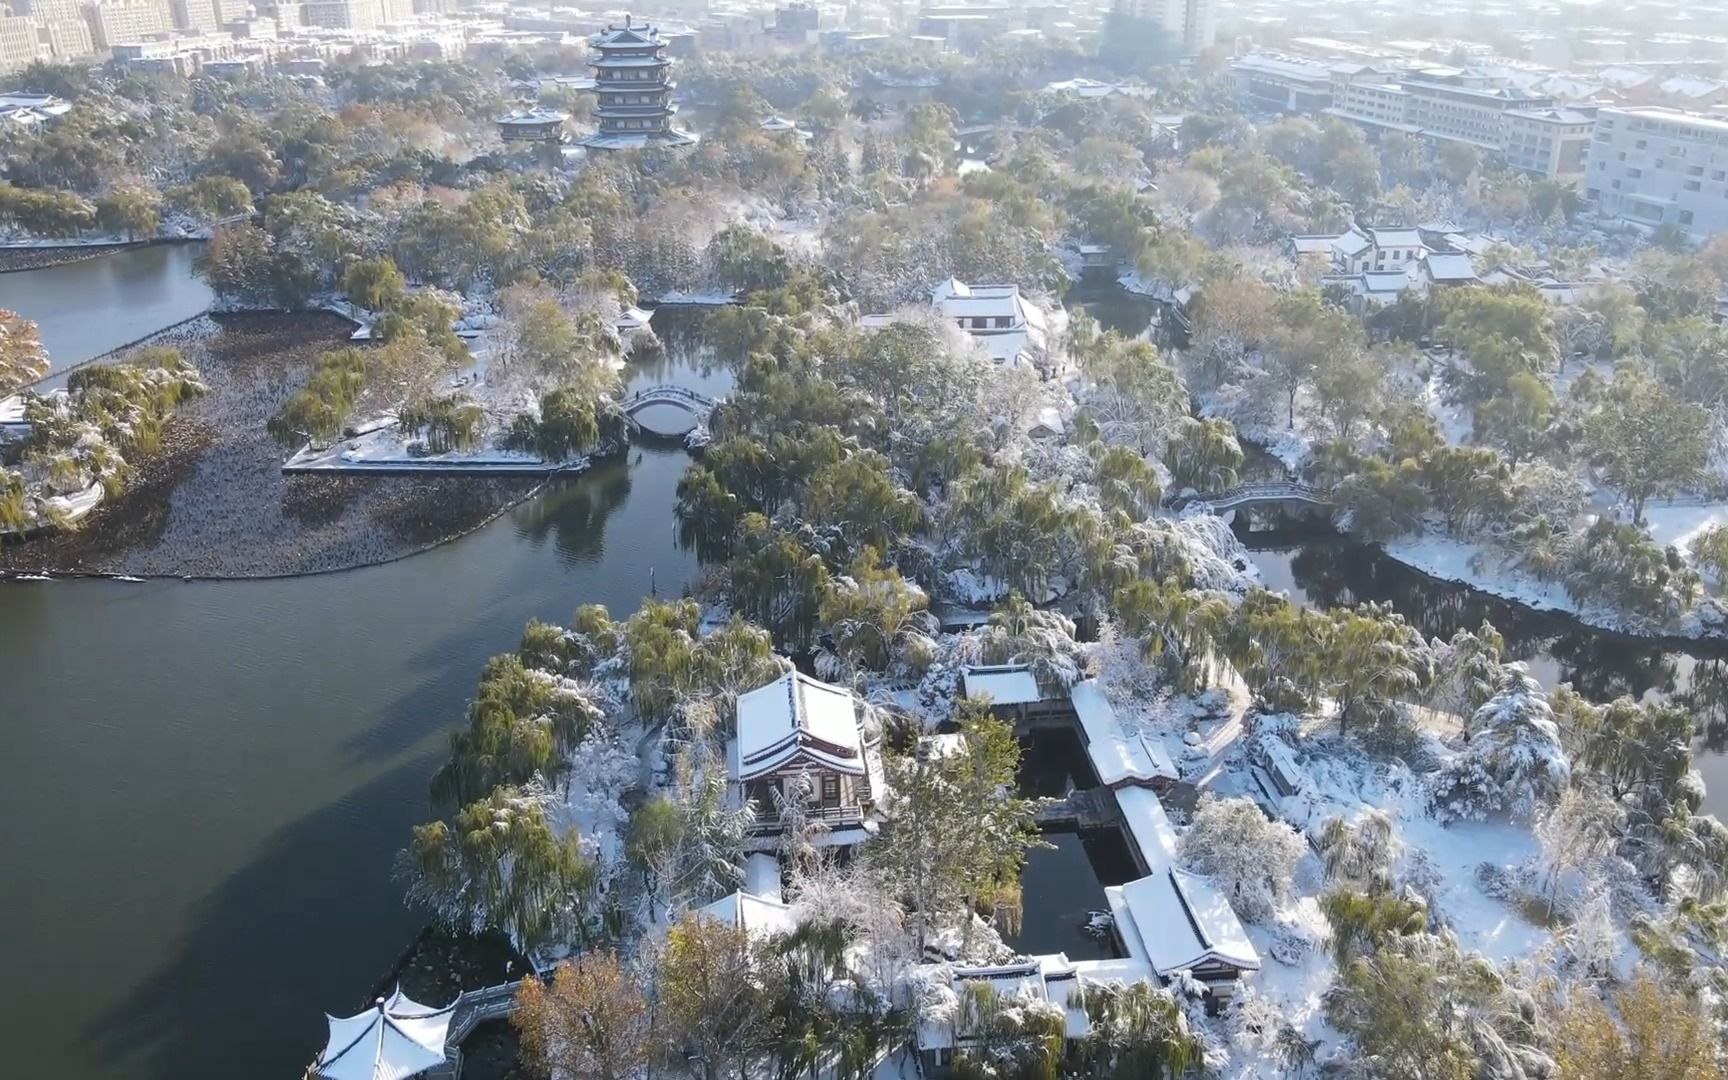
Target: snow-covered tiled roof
(1148,826)
(1449,267)
(1375,282)
(797,716)
(1314,245)
(1396,238)
(758,916)
(1004,684)
(1690,87)
(533,116)
(1179,920)
(1118,757)
(1624,77)
(1351,243)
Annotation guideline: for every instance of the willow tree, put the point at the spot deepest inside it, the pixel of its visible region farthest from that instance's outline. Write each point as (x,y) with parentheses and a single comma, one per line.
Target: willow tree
(522,725)
(777,581)
(1135,1030)
(1182,628)
(22,358)
(660,640)
(1371,662)
(1007,1036)
(1204,455)
(1039,639)
(499,865)
(873,614)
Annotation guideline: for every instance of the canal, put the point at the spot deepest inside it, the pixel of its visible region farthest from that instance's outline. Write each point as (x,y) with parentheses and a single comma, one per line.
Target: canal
(208,782)
(1318,568)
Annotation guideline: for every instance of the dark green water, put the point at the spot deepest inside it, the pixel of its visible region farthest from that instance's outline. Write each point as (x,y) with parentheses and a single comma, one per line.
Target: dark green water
(206,783)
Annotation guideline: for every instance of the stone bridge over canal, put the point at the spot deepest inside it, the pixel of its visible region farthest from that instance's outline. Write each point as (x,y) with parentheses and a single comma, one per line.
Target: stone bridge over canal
(1270,494)
(700,406)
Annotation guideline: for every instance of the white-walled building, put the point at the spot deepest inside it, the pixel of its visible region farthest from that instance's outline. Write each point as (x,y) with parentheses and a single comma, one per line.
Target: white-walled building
(1658,167)
(1550,143)
(1194,23)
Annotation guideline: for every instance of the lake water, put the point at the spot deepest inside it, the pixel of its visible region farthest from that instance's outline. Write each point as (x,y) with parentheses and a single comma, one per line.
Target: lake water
(84,309)
(207,782)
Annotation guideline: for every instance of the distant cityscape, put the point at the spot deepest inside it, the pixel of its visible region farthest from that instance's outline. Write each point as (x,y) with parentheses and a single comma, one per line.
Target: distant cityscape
(1635,119)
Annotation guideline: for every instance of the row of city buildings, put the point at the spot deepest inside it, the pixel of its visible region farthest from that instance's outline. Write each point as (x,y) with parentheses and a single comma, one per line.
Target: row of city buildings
(74,30)
(1650,164)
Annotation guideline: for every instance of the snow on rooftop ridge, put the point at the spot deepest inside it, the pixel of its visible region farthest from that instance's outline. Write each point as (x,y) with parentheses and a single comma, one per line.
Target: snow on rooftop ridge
(798,716)
(1120,759)
(758,916)
(1179,921)
(1004,684)
(395,1039)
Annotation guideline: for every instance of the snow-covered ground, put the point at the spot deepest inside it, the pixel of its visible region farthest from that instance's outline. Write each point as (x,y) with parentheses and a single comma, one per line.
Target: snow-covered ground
(1469,563)
(383,449)
(1292,981)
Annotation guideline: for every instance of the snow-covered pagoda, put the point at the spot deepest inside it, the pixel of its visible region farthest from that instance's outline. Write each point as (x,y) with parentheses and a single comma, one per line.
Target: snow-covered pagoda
(801,731)
(632,77)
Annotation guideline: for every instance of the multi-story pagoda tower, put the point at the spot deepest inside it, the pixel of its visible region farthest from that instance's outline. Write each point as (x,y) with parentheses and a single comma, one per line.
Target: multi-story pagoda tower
(632,77)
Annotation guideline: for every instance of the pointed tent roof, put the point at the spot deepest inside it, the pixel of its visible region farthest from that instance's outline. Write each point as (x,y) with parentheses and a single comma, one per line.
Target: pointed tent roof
(393,1040)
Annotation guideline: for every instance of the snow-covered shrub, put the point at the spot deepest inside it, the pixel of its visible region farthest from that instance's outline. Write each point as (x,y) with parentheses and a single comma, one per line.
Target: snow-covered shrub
(1578,835)
(1250,858)
(1514,762)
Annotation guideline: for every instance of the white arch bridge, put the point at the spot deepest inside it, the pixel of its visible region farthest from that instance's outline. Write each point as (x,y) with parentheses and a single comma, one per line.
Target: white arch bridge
(700,406)
(1274,493)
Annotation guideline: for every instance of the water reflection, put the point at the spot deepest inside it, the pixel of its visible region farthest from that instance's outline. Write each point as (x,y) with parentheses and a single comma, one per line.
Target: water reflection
(1053,763)
(1320,569)
(1328,571)
(1060,885)
(84,309)
(573,513)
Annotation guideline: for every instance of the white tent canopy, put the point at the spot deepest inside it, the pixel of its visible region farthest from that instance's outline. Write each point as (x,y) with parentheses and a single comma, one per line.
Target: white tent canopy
(393,1040)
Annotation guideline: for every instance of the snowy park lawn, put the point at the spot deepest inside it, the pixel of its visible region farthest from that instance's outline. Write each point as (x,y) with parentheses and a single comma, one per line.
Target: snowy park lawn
(1678,525)
(1452,852)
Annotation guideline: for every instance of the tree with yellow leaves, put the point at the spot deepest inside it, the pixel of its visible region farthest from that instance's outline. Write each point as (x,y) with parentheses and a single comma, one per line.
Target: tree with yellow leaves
(1652,1033)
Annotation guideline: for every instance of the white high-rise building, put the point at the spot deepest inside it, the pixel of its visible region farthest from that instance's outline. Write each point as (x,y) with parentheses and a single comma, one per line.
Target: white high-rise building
(1194,23)
(115,21)
(18,44)
(1660,167)
(343,14)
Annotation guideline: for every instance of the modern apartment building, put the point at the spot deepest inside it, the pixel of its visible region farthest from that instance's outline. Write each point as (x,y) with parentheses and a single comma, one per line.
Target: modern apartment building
(1377,102)
(45,10)
(18,43)
(1451,107)
(1551,143)
(1283,84)
(1658,166)
(342,14)
(198,15)
(115,21)
(1192,22)
(66,39)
